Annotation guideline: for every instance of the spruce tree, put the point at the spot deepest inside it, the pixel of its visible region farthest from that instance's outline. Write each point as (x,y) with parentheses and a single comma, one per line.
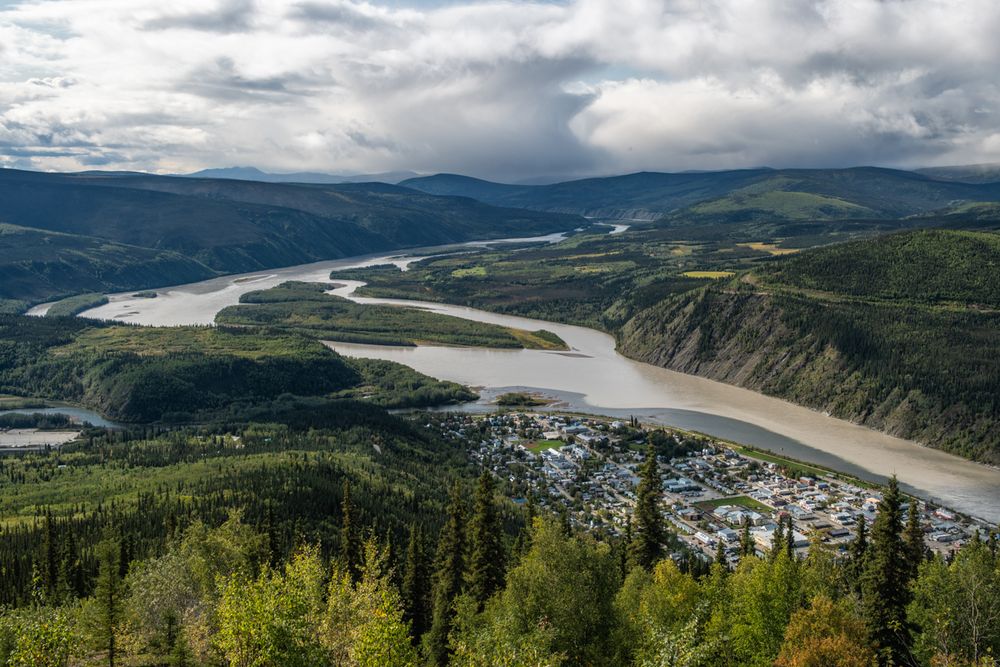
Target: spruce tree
(108,597)
(523,541)
(350,551)
(650,531)
(746,540)
(858,555)
(486,553)
(884,592)
(789,538)
(626,549)
(778,542)
(448,576)
(914,539)
(416,584)
(720,554)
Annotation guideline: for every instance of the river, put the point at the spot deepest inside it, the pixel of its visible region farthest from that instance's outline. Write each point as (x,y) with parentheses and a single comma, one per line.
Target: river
(593,377)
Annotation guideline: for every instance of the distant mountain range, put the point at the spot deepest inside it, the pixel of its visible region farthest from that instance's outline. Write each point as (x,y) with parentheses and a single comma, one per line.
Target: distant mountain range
(254,174)
(731,196)
(70,233)
(972,173)
(103,231)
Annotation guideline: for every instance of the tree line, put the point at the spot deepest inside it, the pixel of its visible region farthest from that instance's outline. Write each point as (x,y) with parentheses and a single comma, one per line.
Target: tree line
(466,592)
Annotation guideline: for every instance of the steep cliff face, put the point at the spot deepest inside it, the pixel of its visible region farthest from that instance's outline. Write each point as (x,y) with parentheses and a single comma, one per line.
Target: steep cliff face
(848,360)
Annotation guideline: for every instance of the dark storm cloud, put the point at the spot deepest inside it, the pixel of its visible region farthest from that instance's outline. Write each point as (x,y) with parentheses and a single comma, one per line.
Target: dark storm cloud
(221,80)
(343,15)
(228,16)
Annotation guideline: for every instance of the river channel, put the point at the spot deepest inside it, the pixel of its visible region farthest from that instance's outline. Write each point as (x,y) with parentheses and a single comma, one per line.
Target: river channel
(592,377)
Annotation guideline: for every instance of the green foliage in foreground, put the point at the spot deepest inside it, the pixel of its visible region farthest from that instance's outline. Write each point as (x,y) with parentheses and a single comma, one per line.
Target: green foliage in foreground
(213,597)
(305,308)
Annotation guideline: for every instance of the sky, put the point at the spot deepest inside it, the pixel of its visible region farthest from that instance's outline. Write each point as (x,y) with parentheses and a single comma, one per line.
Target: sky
(507,90)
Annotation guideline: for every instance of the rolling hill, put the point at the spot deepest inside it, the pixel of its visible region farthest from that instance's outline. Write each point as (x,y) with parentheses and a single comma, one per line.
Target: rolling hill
(71,233)
(254,174)
(729,196)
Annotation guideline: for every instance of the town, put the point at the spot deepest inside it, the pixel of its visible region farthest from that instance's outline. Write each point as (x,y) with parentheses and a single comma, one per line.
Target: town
(713,492)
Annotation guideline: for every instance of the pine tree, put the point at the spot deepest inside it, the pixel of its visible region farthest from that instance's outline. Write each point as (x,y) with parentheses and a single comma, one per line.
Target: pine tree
(416,584)
(914,539)
(523,541)
(448,575)
(626,549)
(48,569)
(789,538)
(486,554)
(650,531)
(884,593)
(108,597)
(746,540)
(180,655)
(71,579)
(859,554)
(778,542)
(720,554)
(349,543)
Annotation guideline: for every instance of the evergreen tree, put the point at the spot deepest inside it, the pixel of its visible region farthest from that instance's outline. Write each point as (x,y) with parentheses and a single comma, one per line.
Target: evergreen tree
(523,541)
(778,541)
(450,567)
(720,554)
(108,597)
(416,584)
(884,592)
(746,540)
(349,542)
(789,538)
(71,576)
(486,554)
(626,548)
(650,531)
(914,539)
(180,655)
(858,555)
(48,571)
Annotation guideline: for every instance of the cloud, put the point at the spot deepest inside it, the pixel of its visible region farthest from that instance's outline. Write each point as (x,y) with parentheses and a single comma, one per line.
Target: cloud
(229,16)
(501,89)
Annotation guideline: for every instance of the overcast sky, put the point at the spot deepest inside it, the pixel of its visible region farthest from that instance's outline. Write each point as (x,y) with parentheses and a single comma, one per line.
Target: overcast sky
(504,90)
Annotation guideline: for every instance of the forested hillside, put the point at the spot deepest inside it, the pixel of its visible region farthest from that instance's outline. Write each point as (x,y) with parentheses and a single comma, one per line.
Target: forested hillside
(898,333)
(274,546)
(67,234)
(183,374)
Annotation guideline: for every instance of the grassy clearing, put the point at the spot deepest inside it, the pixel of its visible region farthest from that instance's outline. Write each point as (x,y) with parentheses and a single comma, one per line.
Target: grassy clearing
(541,445)
(769,248)
(713,275)
(538,340)
(783,203)
(471,272)
(794,467)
